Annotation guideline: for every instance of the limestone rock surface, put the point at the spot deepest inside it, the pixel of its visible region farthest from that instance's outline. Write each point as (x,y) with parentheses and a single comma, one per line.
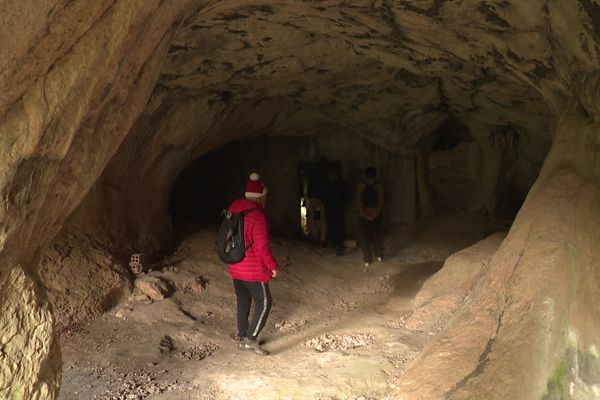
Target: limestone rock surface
(74,75)
(526,313)
(82,280)
(445,292)
(29,356)
(153,286)
(393,73)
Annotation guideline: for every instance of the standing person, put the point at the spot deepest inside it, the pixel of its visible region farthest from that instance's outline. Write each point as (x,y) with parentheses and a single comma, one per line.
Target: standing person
(369,200)
(252,275)
(317,182)
(334,197)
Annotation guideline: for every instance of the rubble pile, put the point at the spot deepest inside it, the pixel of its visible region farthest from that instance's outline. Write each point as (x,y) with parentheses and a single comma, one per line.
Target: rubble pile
(340,342)
(133,386)
(290,326)
(345,305)
(198,352)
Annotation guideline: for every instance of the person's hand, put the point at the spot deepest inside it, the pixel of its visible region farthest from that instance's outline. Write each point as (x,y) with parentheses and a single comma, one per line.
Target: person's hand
(273,273)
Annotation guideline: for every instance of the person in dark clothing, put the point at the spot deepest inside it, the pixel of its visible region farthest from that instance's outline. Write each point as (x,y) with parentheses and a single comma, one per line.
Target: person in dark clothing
(334,197)
(315,219)
(252,275)
(369,200)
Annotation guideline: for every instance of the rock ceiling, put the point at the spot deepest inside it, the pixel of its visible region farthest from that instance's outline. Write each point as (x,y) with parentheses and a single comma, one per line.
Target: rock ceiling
(392,71)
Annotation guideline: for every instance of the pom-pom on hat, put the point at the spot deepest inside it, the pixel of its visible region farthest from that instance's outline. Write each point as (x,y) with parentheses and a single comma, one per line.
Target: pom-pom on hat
(255,187)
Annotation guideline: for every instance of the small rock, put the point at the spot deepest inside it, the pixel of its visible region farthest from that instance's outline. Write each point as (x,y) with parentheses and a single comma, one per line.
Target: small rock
(139,297)
(290,326)
(172,268)
(121,313)
(166,344)
(154,287)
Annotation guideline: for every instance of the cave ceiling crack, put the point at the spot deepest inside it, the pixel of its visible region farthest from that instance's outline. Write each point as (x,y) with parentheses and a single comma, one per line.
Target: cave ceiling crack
(432,12)
(445,101)
(386,12)
(557,48)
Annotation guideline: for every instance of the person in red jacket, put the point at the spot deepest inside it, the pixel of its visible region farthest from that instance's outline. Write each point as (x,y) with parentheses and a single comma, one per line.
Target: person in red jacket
(252,275)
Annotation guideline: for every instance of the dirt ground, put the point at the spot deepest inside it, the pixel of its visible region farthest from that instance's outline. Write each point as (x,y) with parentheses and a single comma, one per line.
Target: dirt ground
(336,330)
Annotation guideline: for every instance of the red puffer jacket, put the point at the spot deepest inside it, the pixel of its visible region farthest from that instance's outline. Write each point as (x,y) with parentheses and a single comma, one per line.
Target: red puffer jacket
(259,261)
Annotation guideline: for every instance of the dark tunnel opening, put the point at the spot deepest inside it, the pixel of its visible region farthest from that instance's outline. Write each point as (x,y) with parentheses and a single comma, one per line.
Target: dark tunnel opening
(210,183)
(456,170)
(454,178)
(454,163)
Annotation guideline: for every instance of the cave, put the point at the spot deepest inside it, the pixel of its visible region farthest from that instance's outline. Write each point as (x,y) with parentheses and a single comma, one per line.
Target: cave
(125,129)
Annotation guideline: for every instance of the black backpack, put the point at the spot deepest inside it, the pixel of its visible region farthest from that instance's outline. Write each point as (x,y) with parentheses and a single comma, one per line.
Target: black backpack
(369,196)
(230,238)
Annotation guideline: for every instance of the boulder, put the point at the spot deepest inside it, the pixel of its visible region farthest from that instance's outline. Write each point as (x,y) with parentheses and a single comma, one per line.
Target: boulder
(154,287)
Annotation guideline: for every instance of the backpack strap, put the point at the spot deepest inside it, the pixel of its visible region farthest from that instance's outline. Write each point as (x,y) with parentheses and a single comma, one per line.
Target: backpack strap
(244,213)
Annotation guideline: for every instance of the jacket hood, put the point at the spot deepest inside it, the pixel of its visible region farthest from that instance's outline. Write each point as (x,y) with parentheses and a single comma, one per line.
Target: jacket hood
(241,205)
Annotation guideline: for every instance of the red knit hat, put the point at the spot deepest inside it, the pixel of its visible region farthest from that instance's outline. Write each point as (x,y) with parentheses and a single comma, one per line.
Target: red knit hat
(254,186)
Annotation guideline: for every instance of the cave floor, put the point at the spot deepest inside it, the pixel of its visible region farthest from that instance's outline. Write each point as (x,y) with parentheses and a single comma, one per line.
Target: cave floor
(336,330)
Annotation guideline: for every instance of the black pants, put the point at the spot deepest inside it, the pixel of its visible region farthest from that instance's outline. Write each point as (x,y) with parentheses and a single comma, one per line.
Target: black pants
(335,227)
(245,292)
(369,237)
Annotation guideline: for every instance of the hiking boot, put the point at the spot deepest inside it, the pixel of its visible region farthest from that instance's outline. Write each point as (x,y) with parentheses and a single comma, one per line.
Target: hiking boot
(241,345)
(254,346)
(367,264)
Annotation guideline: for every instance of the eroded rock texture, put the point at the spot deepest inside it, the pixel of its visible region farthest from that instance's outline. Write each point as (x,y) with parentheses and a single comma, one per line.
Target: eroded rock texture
(102,103)
(30,367)
(530,309)
(82,279)
(392,72)
(73,77)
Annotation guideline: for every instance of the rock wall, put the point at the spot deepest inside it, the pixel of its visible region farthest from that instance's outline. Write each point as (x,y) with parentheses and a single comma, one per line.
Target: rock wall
(73,77)
(532,308)
(390,73)
(29,354)
(445,292)
(82,279)
(241,69)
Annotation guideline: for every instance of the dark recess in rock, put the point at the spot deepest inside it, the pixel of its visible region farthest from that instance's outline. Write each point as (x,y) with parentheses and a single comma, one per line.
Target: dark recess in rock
(593,10)
(231,16)
(492,16)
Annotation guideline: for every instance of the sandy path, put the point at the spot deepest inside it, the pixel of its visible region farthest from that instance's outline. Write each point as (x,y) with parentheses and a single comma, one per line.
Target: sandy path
(355,318)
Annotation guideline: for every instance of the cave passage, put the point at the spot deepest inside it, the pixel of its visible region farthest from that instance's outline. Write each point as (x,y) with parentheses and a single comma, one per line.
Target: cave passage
(288,167)
(336,329)
(126,127)
(454,179)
